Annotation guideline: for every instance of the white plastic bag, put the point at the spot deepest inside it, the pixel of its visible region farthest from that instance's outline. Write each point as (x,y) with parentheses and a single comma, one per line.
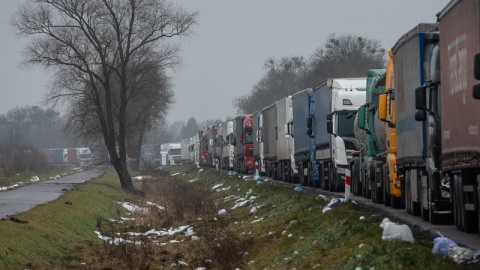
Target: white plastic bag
(393,231)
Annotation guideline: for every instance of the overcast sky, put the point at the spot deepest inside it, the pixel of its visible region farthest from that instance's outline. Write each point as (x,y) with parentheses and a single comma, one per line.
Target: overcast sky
(232,40)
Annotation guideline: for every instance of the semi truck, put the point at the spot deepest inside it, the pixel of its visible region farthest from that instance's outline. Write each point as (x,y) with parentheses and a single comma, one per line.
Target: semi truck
(300,106)
(185,152)
(330,127)
(269,138)
(386,113)
(371,163)
(203,148)
(243,144)
(412,53)
(174,151)
(227,146)
(285,162)
(257,120)
(81,157)
(452,116)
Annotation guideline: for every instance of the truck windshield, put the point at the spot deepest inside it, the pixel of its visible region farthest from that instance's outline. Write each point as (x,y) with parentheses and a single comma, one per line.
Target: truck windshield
(345,124)
(248,137)
(175,152)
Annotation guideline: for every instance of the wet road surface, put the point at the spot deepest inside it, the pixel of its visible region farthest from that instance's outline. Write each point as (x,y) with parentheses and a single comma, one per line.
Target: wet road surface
(27,197)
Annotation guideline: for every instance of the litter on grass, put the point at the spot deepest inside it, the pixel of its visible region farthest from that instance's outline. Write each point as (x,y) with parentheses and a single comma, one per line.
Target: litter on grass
(441,245)
(334,203)
(393,231)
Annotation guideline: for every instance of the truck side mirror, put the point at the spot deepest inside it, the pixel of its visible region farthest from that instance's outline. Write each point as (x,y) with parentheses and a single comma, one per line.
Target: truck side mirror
(242,138)
(310,122)
(421,116)
(382,106)
(361,117)
(329,124)
(476,66)
(420,99)
(476,91)
(234,141)
(309,132)
(288,130)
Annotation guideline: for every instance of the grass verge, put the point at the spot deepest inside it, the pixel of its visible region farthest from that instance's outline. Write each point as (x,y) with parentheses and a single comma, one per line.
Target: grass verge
(263,226)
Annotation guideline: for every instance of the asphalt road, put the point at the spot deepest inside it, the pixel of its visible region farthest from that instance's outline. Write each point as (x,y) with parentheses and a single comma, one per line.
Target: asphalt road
(27,197)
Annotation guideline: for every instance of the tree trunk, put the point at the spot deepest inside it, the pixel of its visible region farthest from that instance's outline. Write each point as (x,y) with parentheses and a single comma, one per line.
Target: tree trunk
(123,175)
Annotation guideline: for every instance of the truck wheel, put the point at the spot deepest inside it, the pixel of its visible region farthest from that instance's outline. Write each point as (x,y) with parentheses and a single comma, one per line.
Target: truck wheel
(408,203)
(424,211)
(331,178)
(310,174)
(386,186)
(281,174)
(468,218)
(458,203)
(478,200)
(434,218)
(357,186)
(300,175)
(373,184)
(326,176)
(288,172)
(396,202)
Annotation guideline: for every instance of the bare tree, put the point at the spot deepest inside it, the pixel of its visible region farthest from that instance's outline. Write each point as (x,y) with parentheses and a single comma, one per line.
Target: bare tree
(282,78)
(340,56)
(94,46)
(346,56)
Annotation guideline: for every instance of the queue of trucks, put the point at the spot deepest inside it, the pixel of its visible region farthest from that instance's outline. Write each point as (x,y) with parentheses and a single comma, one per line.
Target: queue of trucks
(408,134)
(79,157)
(166,154)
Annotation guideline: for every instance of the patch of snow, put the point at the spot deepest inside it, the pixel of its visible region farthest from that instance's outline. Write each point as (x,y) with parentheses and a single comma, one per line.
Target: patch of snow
(257,220)
(156,205)
(217,186)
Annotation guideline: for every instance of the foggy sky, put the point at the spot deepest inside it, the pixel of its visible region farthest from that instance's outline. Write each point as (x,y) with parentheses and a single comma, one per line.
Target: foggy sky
(224,58)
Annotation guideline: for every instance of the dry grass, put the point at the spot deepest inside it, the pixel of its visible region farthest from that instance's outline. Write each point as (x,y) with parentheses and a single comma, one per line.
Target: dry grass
(214,246)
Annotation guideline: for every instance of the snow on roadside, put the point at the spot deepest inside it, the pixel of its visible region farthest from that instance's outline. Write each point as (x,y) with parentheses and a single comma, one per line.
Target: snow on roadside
(186,230)
(34,179)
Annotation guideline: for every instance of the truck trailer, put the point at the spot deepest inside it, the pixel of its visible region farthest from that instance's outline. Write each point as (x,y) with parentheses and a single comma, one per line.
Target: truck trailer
(243,144)
(285,162)
(386,113)
(330,126)
(453,142)
(412,53)
(300,105)
(257,120)
(227,146)
(269,139)
(371,162)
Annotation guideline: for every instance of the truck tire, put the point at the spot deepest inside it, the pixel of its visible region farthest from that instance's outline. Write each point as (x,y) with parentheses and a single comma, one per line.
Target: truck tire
(378,181)
(466,217)
(408,200)
(458,203)
(434,218)
(366,184)
(386,186)
(331,178)
(300,174)
(356,184)
(396,202)
(288,172)
(424,211)
(373,183)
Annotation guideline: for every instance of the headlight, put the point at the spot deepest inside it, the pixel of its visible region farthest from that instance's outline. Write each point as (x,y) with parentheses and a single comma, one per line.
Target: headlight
(445,182)
(445,194)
